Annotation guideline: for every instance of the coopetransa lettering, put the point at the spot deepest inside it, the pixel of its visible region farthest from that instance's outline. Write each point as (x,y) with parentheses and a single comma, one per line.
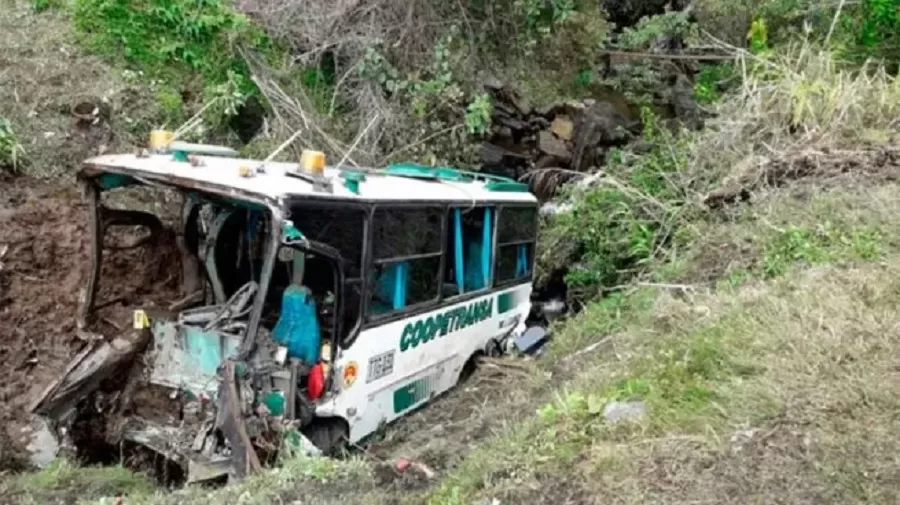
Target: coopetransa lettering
(439,325)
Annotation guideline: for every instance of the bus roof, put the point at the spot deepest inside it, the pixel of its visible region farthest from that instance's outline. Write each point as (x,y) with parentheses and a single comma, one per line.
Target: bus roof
(222,175)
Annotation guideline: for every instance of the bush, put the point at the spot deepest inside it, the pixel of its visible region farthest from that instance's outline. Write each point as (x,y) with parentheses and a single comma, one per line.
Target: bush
(629,219)
(177,41)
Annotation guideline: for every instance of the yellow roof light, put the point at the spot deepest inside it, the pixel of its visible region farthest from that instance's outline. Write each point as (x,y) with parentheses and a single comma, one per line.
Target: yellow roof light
(160,139)
(312,162)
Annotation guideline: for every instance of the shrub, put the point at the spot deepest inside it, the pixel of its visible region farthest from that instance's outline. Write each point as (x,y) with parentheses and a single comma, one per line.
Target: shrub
(175,40)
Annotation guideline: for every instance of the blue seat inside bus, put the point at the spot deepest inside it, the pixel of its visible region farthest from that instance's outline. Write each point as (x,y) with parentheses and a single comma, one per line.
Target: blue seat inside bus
(473,256)
(472,262)
(298,325)
(390,288)
(522,263)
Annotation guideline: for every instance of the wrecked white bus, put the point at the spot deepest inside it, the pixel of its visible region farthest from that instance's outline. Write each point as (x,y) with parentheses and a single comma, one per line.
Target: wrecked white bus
(319,303)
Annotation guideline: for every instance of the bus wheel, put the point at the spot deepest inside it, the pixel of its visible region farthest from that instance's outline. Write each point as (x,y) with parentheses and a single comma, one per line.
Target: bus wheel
(329,434)
(469,368)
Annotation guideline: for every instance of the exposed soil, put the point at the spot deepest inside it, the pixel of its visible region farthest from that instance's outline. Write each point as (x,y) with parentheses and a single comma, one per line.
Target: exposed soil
(45,236)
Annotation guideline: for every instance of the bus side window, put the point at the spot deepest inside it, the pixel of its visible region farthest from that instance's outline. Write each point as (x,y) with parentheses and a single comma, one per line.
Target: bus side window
(516,235)
(469,250)
(406,251)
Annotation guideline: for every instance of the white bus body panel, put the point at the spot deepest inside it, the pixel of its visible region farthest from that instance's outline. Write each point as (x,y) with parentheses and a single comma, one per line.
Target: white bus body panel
(403,364)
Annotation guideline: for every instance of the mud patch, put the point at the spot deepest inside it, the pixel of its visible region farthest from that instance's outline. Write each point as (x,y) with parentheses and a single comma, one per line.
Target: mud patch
(441,434)
(45,235)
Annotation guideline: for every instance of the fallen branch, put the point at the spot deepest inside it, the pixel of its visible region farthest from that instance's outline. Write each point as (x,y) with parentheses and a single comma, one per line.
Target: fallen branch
(656,56)
(590,348)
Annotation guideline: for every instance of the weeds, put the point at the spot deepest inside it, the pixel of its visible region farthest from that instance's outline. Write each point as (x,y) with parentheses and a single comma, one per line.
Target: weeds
(618,227)
(64,478)
(43,5)
(11,151)
(800,99)
(175,40)
(822,244)
(750,380)
(644,208)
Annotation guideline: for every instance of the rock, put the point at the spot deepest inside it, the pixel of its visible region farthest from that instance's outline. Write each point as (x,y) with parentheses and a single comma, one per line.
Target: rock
(562,127)
(498,160)
(553,208)
(513,123)
(598,125)
(681,96)
(517,100)
(503,132)
(554,308)
(546,161)
(616,412)
(507,97)
(43,446)
(549,144)
(492,84)
(492,154)
(538,122)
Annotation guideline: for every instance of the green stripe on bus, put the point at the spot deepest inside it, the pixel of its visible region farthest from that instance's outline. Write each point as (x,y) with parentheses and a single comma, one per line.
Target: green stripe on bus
(410,394)
(505,302)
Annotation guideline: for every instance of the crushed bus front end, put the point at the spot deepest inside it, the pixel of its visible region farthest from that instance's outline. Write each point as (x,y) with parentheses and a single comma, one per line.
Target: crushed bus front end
(216,383)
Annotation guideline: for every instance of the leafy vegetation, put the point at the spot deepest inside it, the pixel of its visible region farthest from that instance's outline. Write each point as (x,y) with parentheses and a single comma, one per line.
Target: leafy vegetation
(173,40)
(621,225)
(11,150)
(724,380)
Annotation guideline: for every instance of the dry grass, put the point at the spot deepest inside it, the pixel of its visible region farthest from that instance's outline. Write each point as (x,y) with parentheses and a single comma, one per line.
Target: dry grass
(799,100)
(854,215)
(776,392)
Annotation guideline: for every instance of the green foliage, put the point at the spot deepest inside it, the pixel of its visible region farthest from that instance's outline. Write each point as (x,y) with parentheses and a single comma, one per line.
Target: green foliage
(172,106)
(540,16)
(11,151)
(478,114)
(758,37)
(874,26)
(174,40)
(66,478)
(864,29)
(671,24)
(621,225)
(443,116)
(44,5)
(713,80)
(824,243)
(676,378)
(639,80)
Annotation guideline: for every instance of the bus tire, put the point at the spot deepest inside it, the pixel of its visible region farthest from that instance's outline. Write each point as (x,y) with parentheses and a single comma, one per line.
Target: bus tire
(329,434)
(469,367)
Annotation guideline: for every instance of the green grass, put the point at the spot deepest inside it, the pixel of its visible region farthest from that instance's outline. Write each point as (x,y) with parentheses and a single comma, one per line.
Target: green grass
(773,369)
(325,481)
(64,480)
